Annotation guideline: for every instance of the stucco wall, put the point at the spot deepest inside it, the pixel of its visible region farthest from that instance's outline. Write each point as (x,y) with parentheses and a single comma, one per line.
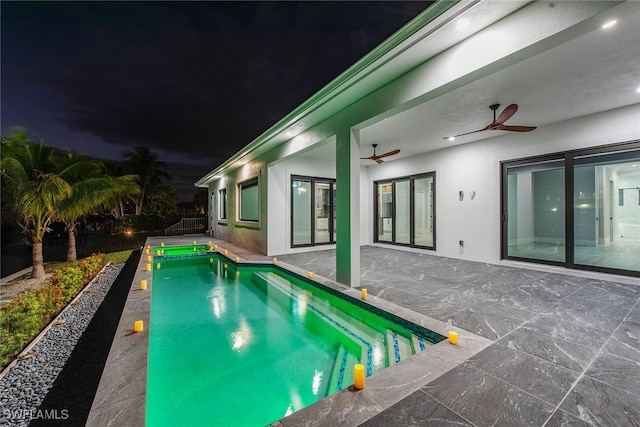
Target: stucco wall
(476,167)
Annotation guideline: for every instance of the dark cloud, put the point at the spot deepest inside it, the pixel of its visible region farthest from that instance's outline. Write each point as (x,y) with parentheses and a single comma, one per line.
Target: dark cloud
(193,81)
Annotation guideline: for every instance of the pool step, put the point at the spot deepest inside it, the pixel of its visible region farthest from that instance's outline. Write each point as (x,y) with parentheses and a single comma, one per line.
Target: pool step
(399,347)
(342,373)
(419,344)
(282,291)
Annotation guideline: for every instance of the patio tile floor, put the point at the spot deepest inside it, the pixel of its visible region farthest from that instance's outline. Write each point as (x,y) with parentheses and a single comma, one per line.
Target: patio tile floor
(566,348)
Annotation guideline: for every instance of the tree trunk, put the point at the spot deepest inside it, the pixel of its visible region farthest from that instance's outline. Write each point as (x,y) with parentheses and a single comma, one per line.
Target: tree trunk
(71,248)
(139,202)
(38,261)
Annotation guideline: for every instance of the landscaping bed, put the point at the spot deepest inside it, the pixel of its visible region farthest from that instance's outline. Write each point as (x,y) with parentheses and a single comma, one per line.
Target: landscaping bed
(27,382)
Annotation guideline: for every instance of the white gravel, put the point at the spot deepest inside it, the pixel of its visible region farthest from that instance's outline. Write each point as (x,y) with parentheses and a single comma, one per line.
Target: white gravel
(25,385)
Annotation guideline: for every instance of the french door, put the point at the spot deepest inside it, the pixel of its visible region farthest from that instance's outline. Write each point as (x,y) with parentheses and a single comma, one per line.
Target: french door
(313,211)
(405,211)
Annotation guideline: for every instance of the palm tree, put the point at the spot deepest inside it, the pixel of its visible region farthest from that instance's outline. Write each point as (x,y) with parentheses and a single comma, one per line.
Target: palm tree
(87,195)
(144,163)
(115,203)
(30,189)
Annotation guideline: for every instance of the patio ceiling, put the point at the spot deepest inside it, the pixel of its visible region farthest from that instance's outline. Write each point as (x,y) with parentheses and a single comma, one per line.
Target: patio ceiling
(595,72)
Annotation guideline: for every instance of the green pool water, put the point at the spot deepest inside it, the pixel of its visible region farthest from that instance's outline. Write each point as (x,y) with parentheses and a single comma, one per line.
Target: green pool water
(246,346)
(180,250)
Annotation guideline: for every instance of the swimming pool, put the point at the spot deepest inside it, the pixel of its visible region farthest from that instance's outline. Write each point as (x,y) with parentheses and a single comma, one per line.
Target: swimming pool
(236,345)
(176,250)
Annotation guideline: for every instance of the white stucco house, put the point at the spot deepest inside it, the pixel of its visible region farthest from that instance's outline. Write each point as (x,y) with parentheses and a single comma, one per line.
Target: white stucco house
(565,194)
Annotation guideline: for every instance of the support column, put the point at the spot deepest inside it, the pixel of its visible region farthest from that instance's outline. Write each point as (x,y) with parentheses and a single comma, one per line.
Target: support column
(347,208)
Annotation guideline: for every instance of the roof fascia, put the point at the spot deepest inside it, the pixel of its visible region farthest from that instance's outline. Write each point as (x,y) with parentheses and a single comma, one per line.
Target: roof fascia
(337,84)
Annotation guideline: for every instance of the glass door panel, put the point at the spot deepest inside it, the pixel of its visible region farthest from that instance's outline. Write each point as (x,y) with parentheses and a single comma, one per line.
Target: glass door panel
(423,211)
(301,206)
(535,211)
(385,212)
(606,210)
(322,212)
(402,212)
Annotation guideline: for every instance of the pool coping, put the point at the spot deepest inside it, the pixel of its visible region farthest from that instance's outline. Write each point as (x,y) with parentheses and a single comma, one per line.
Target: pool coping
(121,395)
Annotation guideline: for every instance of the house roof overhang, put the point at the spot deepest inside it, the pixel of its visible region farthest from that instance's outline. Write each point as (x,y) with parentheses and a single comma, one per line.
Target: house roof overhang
(431,31)
(433,35)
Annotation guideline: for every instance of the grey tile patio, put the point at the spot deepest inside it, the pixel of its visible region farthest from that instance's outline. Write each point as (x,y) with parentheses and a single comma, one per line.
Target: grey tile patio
(567,354)
(566,350)
(485,400)
(618,364)
(418,409)
(602,405)
(545,380)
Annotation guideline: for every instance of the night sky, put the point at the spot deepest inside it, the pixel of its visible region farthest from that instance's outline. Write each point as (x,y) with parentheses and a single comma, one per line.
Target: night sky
(195,82)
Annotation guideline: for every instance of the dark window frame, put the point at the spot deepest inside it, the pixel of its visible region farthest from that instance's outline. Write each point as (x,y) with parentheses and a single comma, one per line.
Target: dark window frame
(244,185)
(393,181)
(312,180)
(222,204)
(569,158)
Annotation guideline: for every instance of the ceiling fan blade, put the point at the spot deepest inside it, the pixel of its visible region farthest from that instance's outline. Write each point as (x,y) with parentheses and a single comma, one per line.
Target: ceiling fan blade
(516,128)
(506,114)
(466,133)
(389,153)
(378,161)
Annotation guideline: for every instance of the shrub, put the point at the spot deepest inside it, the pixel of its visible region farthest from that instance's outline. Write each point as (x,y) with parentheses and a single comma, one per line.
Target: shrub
(22,318)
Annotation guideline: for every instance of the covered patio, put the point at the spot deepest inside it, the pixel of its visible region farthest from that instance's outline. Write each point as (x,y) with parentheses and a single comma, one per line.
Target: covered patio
(565,351)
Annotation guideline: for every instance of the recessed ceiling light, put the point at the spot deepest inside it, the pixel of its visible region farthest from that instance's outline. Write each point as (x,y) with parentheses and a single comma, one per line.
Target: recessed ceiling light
(452,138)
(634,165)
(638,90)
(609,24)
(462,24)
(289,133)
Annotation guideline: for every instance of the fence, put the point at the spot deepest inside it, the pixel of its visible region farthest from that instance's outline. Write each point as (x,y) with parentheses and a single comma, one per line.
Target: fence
(186,226)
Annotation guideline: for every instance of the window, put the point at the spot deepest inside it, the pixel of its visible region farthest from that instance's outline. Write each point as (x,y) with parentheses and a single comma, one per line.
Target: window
(222,204)
(313,211)
(405,211)
(249,201)
(577,209)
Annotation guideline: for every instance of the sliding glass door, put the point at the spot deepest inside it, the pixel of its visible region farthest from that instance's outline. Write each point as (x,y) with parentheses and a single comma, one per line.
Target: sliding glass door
(405,211)
(578,209)
(312,211)
(606,210)
(536,210)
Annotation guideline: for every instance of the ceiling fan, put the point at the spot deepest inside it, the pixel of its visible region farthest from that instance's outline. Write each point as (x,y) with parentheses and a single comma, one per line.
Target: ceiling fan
(498,123)
(377,157)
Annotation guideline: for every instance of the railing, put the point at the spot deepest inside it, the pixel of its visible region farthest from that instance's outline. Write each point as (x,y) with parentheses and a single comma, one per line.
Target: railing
(186,226)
